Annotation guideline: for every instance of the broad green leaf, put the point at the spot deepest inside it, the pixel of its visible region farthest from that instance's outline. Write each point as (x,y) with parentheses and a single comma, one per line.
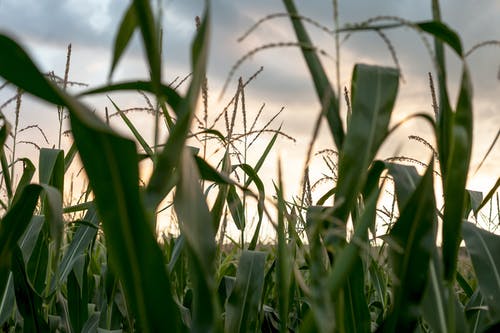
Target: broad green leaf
(236,208)
(374,91)
(405,181)
(27,176)
(456,177)
(473,200)
(7,300)
(411,241)
(14,60)
(435,304)
(244,303)
(352,308)
(317,219)
(77,301)
(439,30)
(27,300)
(81,240)
(145,19)
(51,172)
(346,282)
(13,225)
(125,31)
(443,33)
(51,168)
(324,91)
(444,118)
(219,204)
(37,264)
(483,248)
(197,228)
(347,258)
(28,240)
(207,172)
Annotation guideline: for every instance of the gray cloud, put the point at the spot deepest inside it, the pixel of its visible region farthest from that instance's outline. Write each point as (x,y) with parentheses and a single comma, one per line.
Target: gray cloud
(90,26)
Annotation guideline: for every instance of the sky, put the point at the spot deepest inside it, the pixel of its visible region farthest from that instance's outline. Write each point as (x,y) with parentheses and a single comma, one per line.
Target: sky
(46,27)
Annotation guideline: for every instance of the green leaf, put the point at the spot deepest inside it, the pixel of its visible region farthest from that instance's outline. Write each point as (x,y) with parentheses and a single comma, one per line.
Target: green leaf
(236,208)
(405,179)
(444,33)
(81,240)
(150,37)
(324,91)
(51,168)
(13,225)
(77,301)
(347,258)
(244,303)
(284,261)
(490,194)
(37,264)
(352,310)
(374,91)
(125,31)
(7,300)
(134,130)
(27,176)
(28,302)
(456,177)
(476,311)
(197,228)
(483,248)
(411,241)
(160,183)
(70,156)
(473,201)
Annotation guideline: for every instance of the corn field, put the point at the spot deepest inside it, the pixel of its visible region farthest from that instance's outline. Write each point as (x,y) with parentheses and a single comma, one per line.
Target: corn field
(98,264)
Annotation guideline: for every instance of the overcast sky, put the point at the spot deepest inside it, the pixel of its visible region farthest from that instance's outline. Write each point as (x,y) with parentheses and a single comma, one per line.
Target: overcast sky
(46,27)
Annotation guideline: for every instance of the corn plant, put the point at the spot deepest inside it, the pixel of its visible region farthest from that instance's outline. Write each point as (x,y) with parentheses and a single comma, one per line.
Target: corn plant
(106,271)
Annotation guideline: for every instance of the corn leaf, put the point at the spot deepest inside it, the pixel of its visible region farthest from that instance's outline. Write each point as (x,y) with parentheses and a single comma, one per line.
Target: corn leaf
(123,36)
(324,91)
(374,91)
(456,177)
(483,248)
(242,307)
(411,241)
(197,229)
